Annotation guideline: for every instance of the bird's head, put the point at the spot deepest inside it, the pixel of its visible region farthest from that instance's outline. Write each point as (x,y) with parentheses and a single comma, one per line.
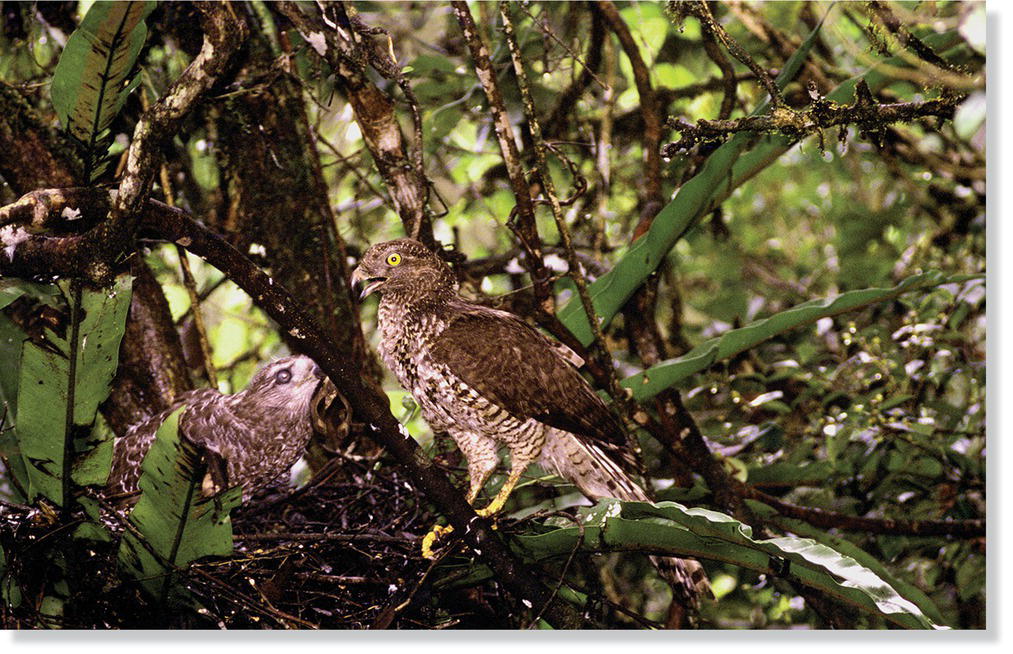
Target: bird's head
(287,384)
(404,267)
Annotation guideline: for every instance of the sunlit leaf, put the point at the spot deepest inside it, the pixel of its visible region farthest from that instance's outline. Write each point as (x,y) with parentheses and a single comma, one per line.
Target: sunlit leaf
(670,528)
(92,80)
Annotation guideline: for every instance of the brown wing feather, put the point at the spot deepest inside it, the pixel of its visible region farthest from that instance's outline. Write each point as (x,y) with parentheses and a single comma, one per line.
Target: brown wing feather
(519,369)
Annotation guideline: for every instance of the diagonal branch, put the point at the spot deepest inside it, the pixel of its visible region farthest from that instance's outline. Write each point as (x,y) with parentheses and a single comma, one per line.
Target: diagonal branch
(224,32)
(701,10)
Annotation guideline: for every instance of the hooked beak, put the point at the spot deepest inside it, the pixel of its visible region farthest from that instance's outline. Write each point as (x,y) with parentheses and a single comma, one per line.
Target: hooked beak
(367,283)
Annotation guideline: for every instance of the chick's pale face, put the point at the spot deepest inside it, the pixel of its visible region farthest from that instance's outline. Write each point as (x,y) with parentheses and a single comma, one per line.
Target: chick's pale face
(287,383)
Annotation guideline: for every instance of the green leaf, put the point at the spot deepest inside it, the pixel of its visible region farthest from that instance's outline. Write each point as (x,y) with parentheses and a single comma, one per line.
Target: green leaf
(10,593)
(62,382)
(91,81)
(175,523)
(8,295)
(789,474)
(657,378)
(726,169)
(846,547)
(668,528)
(12,289)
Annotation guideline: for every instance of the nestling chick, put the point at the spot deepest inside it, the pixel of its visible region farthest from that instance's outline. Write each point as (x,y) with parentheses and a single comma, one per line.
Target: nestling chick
(259,432)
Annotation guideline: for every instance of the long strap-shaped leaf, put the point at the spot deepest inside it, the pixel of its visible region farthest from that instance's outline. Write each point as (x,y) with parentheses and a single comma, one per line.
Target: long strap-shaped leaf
(635,526)
(61,385)
(847,548)
(177,524)
(725,169)
(657,378)
(90,80)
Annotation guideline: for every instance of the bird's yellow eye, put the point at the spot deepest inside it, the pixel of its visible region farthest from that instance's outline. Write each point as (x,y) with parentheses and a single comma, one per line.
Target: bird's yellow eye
(393,259)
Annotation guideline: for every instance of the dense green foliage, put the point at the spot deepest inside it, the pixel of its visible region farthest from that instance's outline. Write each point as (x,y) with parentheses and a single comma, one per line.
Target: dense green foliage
(811,302)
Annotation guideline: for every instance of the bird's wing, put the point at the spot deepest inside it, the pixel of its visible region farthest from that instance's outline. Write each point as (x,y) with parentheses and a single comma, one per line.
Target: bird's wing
(514,366)
(130,450)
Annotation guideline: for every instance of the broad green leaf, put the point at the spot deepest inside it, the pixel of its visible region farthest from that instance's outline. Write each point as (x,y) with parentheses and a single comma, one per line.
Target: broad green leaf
(12,289)
(726,169)
(11,339)
(846,547)
(657,378)
(670,528)
(10,593)
(91,82)
(8,295)
(56,408)
(176,522)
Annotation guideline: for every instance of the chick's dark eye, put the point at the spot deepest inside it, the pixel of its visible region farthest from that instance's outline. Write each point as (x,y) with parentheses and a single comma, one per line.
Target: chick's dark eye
(283,376)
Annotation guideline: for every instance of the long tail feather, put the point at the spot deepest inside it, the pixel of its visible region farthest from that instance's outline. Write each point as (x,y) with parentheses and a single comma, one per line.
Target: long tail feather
(597,477)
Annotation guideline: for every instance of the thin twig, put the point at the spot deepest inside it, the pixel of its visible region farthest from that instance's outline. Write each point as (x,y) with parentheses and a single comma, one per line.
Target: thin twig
(191,289)
(702,11)
(545,175)
(974,528)
(524,227)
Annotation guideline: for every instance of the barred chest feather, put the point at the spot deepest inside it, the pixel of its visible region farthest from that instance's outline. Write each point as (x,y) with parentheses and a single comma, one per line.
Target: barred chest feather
(406,337)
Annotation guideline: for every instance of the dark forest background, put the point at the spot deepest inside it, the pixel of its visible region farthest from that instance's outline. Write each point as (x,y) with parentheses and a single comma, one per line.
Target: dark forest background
(776,210)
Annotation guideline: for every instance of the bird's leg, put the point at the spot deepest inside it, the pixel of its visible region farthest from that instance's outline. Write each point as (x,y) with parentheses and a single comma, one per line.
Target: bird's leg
(482,462)
(517,467)
(480,452)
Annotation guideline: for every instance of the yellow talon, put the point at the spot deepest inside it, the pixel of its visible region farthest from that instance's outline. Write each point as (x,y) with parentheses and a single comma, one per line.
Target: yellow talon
(434,535)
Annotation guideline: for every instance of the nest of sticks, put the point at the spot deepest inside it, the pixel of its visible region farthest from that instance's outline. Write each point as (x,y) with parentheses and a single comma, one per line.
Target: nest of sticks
(341,552)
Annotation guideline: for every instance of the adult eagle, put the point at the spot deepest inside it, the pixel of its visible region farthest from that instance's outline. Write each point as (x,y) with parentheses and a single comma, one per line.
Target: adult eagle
(488,379)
